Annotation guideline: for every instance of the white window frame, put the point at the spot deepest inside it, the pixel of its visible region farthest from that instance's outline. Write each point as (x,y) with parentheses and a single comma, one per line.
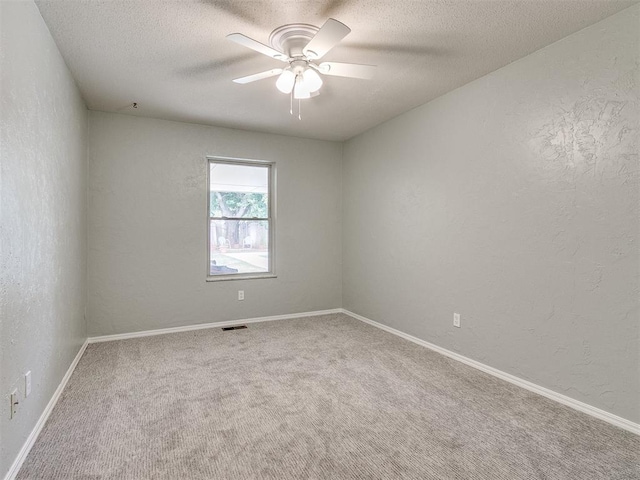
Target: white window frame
(271,218)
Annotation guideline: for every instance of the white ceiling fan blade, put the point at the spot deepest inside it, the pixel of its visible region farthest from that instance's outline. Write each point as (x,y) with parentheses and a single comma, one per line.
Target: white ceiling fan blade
(327,37)
(258,76)
(351,70)
(257,46)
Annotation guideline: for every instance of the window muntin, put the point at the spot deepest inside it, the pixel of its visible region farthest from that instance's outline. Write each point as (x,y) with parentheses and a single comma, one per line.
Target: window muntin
(240,220)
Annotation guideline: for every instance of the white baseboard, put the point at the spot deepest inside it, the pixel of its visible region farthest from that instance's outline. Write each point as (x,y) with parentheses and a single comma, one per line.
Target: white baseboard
(201,326)
(568,401)
(26,448)
(545,392)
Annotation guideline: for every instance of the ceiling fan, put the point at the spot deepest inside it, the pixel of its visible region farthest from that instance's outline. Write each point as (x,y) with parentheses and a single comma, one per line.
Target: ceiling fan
(301,46)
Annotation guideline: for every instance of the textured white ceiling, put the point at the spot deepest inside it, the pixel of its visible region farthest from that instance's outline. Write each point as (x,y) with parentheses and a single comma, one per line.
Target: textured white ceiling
(171,56)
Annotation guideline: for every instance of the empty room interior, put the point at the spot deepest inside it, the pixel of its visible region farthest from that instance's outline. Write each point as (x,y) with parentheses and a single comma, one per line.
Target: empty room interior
(265,239)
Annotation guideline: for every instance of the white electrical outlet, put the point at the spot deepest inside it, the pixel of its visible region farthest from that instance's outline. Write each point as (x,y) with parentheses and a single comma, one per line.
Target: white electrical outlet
(456,320)
(240,294)
(13,398)
(27,384)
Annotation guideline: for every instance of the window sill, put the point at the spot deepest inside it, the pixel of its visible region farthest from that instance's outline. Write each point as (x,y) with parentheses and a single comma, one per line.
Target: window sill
(220,278)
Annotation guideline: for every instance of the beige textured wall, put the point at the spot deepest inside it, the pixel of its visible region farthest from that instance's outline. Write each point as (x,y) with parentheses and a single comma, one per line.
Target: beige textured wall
(147,225)
(43,133)
(514,201)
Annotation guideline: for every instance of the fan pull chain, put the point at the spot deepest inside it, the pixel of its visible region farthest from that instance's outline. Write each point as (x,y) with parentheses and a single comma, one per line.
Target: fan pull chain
(295,80)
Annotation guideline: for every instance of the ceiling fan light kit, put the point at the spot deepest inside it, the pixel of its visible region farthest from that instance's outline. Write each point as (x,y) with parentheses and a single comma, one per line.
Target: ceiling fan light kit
(302,79)
(300,45)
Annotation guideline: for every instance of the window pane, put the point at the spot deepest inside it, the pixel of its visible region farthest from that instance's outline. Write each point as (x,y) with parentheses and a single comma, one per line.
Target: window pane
(238,246)
(239,191)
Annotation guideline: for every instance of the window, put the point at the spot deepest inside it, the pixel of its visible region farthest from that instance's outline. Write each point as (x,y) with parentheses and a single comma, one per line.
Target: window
(240,217)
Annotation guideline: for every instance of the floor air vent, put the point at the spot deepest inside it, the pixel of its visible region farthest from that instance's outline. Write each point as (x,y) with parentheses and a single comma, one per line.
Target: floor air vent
(237,327)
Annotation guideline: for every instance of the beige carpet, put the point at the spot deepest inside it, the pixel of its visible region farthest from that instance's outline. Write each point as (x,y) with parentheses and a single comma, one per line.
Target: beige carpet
(321,397)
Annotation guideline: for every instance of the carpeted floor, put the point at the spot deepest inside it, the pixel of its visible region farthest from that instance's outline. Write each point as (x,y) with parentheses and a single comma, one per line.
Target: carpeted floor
(320,397)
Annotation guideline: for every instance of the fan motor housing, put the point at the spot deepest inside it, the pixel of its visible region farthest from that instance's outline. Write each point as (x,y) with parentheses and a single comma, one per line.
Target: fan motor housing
(292,38)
